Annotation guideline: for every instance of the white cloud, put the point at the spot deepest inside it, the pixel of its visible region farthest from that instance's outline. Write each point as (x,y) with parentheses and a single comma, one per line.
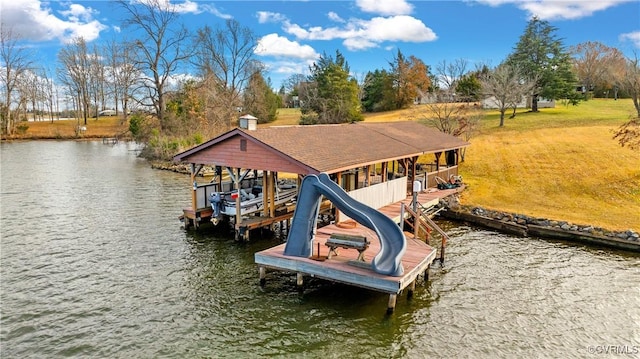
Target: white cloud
(385,7)
(558,10)
(334,17)
(278,46)
(34,20)
(268,16)
(634,37)
(213,10)
(364,34)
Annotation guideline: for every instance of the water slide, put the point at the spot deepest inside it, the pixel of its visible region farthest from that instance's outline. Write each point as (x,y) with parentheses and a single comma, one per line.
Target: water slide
(303,225)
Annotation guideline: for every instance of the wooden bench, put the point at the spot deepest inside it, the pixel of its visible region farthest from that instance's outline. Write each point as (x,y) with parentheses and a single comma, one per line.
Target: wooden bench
(346,241)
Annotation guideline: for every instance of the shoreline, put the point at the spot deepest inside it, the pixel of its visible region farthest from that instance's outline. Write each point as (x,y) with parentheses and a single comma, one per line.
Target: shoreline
(526,226)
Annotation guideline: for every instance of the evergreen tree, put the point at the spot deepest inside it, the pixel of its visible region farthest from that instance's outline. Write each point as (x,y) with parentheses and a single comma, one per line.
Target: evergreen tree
(541,55)
(331,95)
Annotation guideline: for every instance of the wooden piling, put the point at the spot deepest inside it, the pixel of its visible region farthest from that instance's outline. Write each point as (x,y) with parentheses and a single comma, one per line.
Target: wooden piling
(391,306)
(263,275)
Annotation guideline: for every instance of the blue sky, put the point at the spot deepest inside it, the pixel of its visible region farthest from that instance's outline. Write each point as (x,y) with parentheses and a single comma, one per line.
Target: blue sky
(367,32)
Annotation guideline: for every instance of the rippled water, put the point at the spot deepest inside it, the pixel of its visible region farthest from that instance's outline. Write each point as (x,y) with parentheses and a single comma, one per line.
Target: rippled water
(94,264)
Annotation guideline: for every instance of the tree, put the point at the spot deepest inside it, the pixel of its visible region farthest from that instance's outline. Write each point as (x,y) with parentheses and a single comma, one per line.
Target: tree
(628,78)
(506,85)
(331,96)
(540,55)
(260,100)
(410,76)
(379,94)
(448,74)
(75,74)
(226,57)
(593,63)
(123,75)
(469,87)
(163,46)
(16,61)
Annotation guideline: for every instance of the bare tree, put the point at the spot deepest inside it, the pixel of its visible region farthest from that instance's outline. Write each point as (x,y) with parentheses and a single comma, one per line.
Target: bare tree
(449,74)
(506,86)
(163,46)
(16,61)
(227,56)
(122,74)
(593,63)
(628,79)
(75,74)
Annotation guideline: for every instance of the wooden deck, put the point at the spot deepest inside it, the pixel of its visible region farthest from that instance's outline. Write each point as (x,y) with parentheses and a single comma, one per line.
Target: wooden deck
(345,268)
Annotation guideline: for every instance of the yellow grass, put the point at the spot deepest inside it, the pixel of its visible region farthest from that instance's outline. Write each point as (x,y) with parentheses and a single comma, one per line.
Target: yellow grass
(560,163)
(66,129)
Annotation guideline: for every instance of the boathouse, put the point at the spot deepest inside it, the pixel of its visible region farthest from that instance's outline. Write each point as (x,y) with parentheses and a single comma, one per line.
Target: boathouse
(370,170)
(356,156)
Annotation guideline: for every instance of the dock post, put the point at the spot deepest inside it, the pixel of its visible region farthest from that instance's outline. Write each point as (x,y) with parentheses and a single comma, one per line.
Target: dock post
(299,280)
(263,276)
(412,288)
(426,274)
(392,303)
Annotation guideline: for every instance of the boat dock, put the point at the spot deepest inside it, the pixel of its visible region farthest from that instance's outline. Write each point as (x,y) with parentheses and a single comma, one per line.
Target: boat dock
(346,268)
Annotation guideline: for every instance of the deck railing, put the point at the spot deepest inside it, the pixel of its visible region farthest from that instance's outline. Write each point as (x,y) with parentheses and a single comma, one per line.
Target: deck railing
(428,178)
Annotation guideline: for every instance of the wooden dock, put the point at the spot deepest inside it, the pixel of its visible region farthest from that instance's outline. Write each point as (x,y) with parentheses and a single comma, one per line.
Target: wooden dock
(346,268)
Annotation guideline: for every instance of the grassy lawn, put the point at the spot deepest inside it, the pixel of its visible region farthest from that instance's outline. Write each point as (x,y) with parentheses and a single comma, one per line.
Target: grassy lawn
(560,163)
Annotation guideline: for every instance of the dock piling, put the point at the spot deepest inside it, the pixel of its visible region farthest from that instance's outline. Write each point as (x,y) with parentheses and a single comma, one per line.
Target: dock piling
(391,306)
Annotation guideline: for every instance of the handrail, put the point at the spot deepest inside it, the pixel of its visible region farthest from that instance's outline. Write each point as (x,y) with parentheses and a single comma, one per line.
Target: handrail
(423,219)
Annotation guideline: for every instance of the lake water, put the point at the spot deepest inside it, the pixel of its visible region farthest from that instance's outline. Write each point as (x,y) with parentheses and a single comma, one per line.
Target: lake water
(94,264)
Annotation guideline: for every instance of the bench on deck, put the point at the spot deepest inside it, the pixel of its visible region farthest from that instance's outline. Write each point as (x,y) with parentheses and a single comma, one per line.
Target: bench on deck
(347,241)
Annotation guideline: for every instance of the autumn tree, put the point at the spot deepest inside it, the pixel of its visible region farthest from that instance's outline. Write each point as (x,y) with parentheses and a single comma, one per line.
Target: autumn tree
(161,46)
(594,64)
(16,61)
(331,94)
(541,55)
(410,77)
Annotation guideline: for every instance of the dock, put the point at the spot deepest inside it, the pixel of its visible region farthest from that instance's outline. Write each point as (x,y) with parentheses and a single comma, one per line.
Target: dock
(346,268)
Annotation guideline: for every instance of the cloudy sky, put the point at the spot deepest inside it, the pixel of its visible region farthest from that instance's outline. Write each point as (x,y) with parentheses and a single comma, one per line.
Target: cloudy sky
(367,32)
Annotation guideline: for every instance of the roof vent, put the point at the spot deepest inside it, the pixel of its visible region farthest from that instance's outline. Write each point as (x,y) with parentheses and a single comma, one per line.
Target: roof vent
(248,122)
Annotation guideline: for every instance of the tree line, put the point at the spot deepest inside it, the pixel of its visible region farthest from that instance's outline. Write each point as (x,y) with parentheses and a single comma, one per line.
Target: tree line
(144,79)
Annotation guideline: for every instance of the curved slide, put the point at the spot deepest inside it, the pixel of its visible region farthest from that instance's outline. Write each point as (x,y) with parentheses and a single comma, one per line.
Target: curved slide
(302,231)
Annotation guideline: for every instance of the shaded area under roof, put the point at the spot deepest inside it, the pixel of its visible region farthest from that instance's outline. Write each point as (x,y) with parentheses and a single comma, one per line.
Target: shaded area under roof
(331,148)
